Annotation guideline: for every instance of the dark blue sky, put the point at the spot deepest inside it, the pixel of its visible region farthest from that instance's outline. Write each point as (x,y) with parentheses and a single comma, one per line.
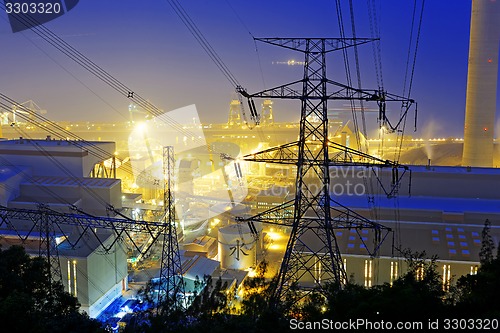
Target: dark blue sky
(146,46)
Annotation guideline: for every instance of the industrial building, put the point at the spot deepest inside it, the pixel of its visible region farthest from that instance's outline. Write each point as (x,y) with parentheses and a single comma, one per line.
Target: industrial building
(55,174)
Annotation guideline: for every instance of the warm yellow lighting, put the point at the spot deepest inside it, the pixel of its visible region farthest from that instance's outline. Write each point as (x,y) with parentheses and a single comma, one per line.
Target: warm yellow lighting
(274,235)
(251,273)
(276,247)
(141,127)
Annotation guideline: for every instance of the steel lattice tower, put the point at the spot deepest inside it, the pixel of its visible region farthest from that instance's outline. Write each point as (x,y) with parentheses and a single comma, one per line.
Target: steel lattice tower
(312,257)
(48,247)
(171,281)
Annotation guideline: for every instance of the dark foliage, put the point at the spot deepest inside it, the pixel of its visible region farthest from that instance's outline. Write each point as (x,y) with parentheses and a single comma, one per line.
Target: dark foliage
(26,305)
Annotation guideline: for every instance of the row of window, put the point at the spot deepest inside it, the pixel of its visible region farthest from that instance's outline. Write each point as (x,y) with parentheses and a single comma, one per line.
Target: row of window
(394,273)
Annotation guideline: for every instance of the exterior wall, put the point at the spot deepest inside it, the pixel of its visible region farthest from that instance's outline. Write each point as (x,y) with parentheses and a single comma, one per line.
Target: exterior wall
(82,285)
(10,180)
(76,159)
(111,195)
(105,272)
(358,269)
(100,277)
(104,301)
(444,216)
(83,197)
(446,182)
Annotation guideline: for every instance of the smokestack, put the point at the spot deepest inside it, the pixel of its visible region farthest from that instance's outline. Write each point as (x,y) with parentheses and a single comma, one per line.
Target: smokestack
(482,80)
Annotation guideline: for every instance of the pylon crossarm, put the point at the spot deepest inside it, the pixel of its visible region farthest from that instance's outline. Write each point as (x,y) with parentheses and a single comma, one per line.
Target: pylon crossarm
(299,44)
(283,154)
(285,91)
(350,154)
(81,220)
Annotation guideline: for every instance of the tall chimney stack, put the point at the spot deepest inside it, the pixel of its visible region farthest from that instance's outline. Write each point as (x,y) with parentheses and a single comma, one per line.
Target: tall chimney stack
(482,80)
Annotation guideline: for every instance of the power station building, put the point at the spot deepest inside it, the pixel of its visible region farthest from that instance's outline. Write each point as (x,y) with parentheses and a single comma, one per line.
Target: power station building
(56,174)
(439,211)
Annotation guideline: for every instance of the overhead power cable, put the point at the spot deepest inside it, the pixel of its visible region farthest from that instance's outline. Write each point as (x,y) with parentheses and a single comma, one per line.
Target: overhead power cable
(82,60)
(200,38)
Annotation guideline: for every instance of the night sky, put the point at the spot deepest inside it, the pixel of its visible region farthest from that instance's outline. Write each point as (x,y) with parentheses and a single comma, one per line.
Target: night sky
(147,47)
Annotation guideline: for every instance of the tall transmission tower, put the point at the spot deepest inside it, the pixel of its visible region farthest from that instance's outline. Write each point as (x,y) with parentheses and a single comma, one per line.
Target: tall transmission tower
(312,257)
(171,281)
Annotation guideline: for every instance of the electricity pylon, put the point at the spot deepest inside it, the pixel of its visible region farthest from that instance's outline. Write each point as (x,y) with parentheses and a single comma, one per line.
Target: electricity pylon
(312,258)
(171,282)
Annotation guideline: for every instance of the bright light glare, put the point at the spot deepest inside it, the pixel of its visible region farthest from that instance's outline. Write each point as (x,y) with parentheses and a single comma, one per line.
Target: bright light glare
(141,128)
(274,235)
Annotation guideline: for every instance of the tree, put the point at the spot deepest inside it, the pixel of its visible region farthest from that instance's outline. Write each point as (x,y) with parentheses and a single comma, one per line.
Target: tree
(476,295)
(487,245)
(415,295)
(25,302)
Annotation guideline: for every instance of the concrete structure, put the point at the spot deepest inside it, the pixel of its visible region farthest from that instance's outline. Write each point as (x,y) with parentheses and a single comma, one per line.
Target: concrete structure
(41,155)
(99,276)
(237,247)
(444,216)
(195,269)
(203,246)
(481,84)
(55,173)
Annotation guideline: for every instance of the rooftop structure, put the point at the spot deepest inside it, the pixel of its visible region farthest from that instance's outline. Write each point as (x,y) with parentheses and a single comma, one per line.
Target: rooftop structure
(41,155)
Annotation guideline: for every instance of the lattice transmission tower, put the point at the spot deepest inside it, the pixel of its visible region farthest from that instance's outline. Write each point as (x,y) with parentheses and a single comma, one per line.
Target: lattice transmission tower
(172,284)
(312,257)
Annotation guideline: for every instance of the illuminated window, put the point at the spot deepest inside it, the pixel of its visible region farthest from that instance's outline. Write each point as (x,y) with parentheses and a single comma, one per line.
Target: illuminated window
(446,277)
(74,278)
(344,263)
(473,270)
(317,269)
(394,271)
(69,277)
(368,273)
(420,272)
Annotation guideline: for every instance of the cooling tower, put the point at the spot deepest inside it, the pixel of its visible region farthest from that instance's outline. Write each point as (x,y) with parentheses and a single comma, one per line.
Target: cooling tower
(482,80)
